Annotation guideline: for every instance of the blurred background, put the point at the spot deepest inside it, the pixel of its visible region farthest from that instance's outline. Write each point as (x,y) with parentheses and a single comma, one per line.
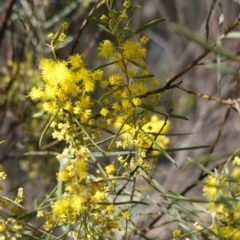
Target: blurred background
(24,26)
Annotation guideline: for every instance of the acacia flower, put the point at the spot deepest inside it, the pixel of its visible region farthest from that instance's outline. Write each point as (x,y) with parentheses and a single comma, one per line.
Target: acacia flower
(105,49)
(110,169)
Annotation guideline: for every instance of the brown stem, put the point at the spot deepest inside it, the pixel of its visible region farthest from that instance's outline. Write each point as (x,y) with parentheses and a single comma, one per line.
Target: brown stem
(6,16)
(210,98)
(84,24)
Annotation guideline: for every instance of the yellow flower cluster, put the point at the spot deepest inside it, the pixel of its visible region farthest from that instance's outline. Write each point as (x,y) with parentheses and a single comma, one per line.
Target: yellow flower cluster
(68,92)
(222,192)
(20,76)
(150,136)
(84,201)
(11,227)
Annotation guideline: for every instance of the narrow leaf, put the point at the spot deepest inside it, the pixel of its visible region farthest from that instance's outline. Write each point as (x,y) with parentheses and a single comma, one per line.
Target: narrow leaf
(105,29)
(126,32)
(150,24)
(143,77)
(96,21)
(121,203)
(47,127)
(159,148)
(99,154)
(110,93)
(208,18)
(104,65)
(136,64)
(187,148)
(161,112)
(12,201)
(187,33)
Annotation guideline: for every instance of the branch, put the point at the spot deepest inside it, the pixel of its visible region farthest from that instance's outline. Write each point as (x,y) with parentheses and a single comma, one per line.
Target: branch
(6,16)
(168,86)
(190,66)
(84,24)
(228,102)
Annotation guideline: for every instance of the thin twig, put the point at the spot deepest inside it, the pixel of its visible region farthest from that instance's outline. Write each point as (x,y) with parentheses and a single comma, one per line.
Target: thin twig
(168,84)
(6,16)
(159,132)
(190,66)
(84,24)
(229,102)
(126,183)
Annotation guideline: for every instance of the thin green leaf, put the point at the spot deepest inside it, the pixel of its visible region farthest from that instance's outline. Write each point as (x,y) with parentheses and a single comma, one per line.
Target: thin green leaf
(150,24)
(175,134)
(38,114)
(219,67)
(125,32)
(47,127)
(136,64)
(96,21)
(200,41)
(223,69)
(182,198)
(104,140)
(135,7)
(159,148)
(99,154)
(12,201)
(105,29)
(143,77)
(186,148)
(117,134)
(66,232)
(105,65)
(110,93)
(223,59)
(122,203)
(199,165)
(208,18)
(153,109)
(177,116)
(111,179)
(161,112)
(169,134)
(91,140)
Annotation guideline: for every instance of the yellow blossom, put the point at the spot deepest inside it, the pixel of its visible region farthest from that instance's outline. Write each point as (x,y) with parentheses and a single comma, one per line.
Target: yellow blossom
(116,79)
(105,49)
(133,50)
(40,213)
(75,60)
(176,233)
(126,215)
(99,196)
(104,112)
(110,169)
(110,208)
